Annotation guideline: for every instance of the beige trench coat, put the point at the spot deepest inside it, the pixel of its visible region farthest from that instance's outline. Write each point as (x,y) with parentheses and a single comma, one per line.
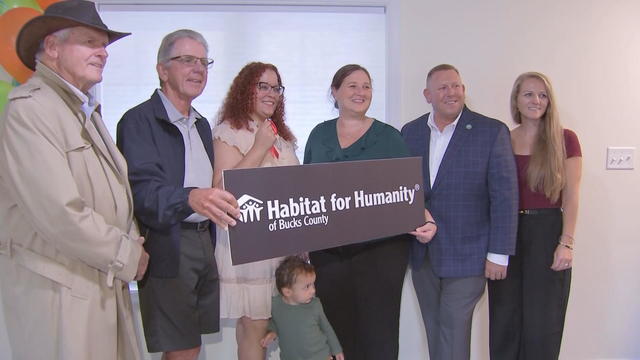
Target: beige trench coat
(68,244)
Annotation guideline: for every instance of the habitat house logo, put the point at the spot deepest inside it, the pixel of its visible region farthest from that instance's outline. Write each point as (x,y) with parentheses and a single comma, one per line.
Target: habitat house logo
(250,208)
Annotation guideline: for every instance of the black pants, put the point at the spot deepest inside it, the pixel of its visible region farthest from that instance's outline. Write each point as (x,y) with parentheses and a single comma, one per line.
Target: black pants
(527,309)
(360,287)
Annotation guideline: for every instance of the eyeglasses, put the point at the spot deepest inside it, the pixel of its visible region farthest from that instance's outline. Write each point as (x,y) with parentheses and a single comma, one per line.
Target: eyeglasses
(191,60)
(265,87)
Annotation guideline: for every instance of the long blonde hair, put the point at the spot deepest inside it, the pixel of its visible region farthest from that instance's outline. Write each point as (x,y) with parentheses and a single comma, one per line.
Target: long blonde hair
(546,171)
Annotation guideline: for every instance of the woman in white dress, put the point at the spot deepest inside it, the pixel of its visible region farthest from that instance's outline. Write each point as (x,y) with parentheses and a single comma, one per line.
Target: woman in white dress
(251,132)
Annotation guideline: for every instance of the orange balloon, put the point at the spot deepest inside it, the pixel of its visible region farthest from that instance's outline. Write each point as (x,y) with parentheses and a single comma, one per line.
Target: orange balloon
(10,23)
(45,3)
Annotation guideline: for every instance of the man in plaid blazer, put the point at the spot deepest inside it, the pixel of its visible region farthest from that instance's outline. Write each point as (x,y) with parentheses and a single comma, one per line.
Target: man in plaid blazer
(471,190)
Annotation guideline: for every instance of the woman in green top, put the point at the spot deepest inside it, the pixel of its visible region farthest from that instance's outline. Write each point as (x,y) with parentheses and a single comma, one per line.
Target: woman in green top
(360,285)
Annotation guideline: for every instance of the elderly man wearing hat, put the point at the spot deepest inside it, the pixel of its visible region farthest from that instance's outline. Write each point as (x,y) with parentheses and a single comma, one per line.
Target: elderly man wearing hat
(68,242)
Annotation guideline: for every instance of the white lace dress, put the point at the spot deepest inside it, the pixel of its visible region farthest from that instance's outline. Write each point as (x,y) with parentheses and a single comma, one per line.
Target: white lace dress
(246,290)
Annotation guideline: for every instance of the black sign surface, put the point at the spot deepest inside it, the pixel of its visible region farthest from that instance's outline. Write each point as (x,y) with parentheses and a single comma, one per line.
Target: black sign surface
(292,209)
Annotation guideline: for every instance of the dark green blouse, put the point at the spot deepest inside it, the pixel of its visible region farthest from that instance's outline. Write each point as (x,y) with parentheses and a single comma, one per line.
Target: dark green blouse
(381,141)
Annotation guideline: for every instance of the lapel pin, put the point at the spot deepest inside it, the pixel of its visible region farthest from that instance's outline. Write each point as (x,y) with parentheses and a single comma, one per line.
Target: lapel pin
(468,127)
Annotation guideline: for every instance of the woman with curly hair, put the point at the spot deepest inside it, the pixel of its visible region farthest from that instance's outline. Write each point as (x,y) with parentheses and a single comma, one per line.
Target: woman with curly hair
(527,309)
(251,132)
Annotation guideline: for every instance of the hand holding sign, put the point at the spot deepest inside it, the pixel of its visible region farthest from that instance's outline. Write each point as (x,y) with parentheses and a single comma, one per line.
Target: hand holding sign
(216,204)
(426,232)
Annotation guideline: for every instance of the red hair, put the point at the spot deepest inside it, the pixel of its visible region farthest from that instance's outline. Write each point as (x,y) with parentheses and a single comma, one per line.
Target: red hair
(240,100)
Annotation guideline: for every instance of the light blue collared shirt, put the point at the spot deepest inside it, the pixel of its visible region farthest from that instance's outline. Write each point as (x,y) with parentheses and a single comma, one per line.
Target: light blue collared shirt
(89,103)
(198,171)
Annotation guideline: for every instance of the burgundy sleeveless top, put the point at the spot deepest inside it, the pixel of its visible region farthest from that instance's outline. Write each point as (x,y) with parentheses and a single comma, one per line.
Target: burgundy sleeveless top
(537,200)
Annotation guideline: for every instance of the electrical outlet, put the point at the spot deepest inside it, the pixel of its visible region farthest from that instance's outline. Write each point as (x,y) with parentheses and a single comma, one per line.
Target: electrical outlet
(620,158)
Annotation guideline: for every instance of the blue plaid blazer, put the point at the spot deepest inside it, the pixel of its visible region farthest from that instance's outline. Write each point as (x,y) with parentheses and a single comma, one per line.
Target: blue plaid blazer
(474,199)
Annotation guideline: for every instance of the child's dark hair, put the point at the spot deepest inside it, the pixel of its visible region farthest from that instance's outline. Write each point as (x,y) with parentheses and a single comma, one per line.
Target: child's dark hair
(289,269)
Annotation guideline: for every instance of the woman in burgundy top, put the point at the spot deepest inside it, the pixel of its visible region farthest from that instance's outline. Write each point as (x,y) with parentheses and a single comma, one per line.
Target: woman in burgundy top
(527,308)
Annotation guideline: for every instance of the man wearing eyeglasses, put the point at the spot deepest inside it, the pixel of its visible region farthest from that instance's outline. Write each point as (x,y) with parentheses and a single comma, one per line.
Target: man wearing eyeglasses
(169,150)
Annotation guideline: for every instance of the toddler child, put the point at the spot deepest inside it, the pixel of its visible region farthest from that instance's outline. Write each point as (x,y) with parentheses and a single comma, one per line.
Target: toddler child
(297,317)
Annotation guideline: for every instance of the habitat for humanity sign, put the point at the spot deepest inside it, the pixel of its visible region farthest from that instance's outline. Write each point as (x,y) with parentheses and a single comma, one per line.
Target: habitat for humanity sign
(292,209)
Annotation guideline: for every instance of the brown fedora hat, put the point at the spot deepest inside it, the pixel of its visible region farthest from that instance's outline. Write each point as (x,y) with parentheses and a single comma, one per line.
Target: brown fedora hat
(58,16)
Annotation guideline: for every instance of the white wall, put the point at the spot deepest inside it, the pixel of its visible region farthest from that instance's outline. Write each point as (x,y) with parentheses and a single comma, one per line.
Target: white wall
(591,51)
